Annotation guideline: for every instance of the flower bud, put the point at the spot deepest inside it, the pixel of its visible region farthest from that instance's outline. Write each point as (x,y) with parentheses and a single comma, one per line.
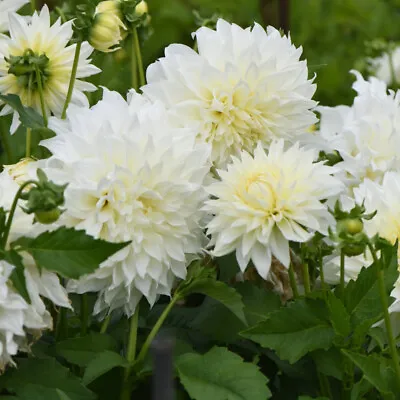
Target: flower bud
(142,8)
(47,217)
(108,29)
(350,226)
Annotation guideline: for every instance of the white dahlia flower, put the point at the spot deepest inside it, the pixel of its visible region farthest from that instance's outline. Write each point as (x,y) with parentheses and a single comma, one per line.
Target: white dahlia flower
(7,6)
(243,86)
(265,201)
(16,315)
(131,177)
(39,38)
(367,134)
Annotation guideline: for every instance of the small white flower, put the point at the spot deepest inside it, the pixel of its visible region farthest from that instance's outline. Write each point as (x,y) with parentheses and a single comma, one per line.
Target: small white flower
(41,38)
(265,201)
(131,177)
(367,134)
(7,6)
(243,86)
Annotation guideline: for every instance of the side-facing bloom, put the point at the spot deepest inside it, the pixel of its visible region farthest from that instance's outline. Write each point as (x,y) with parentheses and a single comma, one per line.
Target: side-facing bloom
(367,134)
(131,177)
(264,202)
(7,6)
(243,86)
(17,317)
(35,47)
(108,29)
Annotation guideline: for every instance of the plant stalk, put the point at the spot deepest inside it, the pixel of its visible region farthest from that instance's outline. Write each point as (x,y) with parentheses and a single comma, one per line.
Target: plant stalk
(306,279)
(12,212)
(342,264)
(386,315)
(105,324)
(72,79)
(138,53)
(134,67)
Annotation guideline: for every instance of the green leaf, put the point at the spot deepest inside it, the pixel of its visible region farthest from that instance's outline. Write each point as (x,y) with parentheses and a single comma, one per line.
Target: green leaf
(69,252)
(258,302)
(219,291)
(62,395)
(221,375)
(44,379)
(360,388)
(329,362)
(82,350)
(27,115)
(361,297)
(338,315)
(102,363)
(377,370)
(295,330)
(17,276)
(312,398)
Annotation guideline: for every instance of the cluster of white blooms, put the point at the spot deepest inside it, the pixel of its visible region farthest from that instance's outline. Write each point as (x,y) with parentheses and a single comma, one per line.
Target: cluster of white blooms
(210,158)
(17,317)
(367,134)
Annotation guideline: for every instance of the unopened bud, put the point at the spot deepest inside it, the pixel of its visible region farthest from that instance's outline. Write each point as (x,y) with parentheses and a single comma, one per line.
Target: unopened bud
(142,8)
(108,29)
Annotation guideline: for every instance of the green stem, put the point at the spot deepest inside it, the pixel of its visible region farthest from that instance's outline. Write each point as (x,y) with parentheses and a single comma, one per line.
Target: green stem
(33,5)
(105,324)
(293,283)
(28,142)
(342,264)
(385,307)
(41,95)
(324,385)
(84,314)
(131,354)
(134,72)
(5,142)
(156,328)
(138,53)
(322,274)
(72,79)
(306,279)
(12,212)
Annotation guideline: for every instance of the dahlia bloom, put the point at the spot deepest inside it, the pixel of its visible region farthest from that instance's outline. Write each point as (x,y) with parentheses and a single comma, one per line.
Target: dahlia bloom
(264,202)
(383,69)
(7,6)
(17,316)
(243,86)
(50,42)
(131,176)
(367,134)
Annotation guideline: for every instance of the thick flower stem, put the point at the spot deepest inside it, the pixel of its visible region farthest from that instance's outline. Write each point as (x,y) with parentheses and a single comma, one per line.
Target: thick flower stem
(84,314)
(33,5)
(386,315)
(72,79)
(105,324)
(306,279)
(12,212)
(134,69)
(293,283)
(342,263)
(41,95)
(28,141)
(131,354)
(138,53)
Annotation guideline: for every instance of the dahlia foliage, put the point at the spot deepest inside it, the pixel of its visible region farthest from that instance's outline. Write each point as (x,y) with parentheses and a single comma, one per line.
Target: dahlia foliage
(213,201)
